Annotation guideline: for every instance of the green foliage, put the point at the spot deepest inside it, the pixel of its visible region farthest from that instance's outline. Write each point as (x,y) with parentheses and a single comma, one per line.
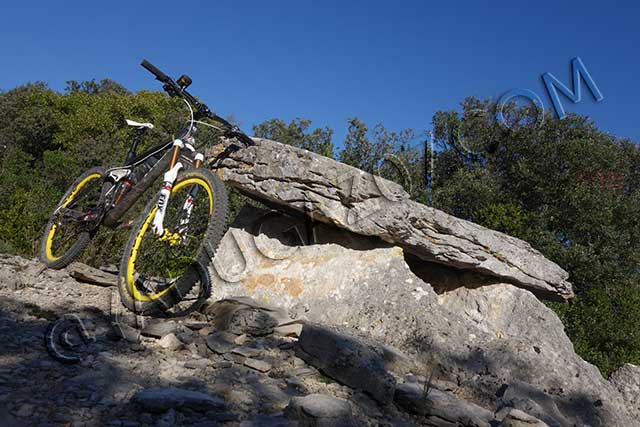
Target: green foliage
(297,133)
(568,189)
(601,323)
(505,217)
(385,153)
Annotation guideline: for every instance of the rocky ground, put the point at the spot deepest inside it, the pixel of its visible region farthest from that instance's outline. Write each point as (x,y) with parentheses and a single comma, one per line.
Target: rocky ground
(176,373)
(239,362)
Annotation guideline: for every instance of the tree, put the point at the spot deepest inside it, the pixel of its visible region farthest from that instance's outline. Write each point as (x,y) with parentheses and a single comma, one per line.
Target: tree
(91,87)
(388,154)
(297,133)
(568,189)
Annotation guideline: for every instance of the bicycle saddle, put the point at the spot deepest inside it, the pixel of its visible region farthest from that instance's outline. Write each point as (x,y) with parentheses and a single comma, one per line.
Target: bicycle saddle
(139,125)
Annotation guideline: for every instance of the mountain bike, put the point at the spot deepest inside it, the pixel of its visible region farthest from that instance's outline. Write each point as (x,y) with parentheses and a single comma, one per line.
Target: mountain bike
(173,241)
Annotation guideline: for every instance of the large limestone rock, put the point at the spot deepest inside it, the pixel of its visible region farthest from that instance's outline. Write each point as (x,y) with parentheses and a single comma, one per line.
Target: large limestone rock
(348,359)
(318,410)
(440,408)
(337,194)
(497,343)
(627,381)
(517,418)
(264,268)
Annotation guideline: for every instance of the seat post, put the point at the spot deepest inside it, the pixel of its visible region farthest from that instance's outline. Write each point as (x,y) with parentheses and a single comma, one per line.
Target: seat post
(137,138)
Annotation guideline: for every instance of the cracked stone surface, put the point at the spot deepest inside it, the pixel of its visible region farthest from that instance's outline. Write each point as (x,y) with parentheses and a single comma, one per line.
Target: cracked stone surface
(141,384)
(474,342)
(334,193)
(494,347)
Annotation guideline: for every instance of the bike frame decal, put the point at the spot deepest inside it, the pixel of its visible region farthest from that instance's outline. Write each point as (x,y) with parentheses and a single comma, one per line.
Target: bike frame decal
(133,290)
(187,207)
(163,199)
(66,201)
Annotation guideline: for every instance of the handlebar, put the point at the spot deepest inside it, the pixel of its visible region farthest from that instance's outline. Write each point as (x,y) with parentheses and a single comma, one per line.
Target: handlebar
(202,110)
(155,71)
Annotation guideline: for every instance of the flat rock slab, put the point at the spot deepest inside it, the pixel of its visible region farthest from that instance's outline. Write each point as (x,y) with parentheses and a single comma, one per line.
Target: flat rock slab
(243,315)
(441,408)
(246,351)
(320,410)
(517,418)
(258,365)
(86,274)
(163,399)
(347,359)
(221,342)
(158,328)
(197,363)
(334,193)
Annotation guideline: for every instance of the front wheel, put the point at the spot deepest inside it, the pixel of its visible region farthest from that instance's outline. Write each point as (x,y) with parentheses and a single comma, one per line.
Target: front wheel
(73,221)
(157,272)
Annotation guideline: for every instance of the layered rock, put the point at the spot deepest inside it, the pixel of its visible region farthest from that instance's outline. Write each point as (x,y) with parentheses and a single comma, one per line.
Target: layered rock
(497,344)
(627,381)
(338,194)
(441,408)
(347,359)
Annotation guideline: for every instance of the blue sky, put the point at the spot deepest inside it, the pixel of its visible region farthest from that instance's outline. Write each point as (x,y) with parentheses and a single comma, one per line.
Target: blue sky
(390,62)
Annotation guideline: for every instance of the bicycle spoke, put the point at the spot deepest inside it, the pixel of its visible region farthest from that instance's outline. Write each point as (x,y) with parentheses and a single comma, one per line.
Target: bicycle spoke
(171,257)
(67,219)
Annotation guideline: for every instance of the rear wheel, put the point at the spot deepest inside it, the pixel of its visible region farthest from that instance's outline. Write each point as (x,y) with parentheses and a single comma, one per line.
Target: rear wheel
(74,220)
(158,272)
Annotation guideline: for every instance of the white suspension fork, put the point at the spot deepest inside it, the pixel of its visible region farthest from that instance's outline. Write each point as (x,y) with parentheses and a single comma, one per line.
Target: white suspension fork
(169,178)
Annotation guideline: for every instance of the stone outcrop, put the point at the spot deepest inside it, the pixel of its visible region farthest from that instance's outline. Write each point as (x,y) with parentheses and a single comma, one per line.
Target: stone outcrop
(318,410)
(468,357)
(348,359)
(440,408)
(337,194)
(627,380)
(517,418)
(497,344)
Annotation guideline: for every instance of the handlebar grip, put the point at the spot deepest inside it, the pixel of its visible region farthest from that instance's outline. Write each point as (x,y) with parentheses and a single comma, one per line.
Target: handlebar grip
(155,71)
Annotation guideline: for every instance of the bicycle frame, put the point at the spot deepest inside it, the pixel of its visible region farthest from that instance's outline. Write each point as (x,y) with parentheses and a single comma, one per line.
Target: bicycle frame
(113,192)
(167,162)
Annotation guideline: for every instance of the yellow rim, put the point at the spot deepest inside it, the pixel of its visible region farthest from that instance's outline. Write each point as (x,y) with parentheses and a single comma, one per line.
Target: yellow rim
(133,290)
(66,201)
